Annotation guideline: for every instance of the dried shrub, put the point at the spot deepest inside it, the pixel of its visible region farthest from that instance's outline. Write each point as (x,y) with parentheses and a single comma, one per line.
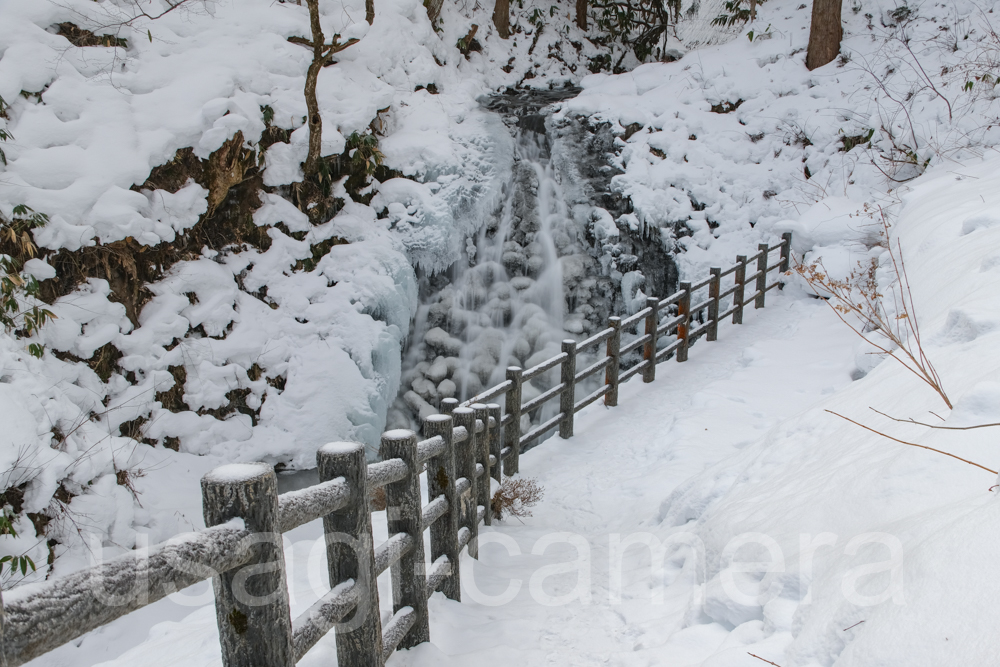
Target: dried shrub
(126,477)
(891,314)
(515,497)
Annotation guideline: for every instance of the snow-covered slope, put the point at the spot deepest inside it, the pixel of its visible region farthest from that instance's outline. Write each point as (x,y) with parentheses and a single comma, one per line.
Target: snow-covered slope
(258,346)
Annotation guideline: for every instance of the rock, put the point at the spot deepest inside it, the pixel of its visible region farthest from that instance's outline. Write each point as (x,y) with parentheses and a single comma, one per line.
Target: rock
(418,405)
(425,389)
(513,261)
(521,283)
(447,389)
(438,371)
(439,341)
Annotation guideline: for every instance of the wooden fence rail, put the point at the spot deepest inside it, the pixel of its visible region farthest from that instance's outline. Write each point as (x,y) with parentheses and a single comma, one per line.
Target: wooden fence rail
(463,449)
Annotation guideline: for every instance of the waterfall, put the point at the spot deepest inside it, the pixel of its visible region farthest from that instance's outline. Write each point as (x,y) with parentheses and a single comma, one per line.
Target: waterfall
(534,273)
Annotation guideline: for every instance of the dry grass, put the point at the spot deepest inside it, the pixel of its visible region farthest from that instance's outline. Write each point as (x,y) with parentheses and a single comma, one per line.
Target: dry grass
(515,497)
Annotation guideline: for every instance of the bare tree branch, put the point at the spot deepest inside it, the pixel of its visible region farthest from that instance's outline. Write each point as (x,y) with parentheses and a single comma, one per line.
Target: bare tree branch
(911,444)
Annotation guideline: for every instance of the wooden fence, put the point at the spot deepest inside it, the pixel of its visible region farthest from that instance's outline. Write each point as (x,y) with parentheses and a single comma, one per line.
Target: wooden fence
(462,449)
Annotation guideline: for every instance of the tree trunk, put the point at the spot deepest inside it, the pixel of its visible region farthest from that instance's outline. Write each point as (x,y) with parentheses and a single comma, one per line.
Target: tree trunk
(370,11)
(433,10)
(824,33)
(581,14)
(501,18)
(312,105)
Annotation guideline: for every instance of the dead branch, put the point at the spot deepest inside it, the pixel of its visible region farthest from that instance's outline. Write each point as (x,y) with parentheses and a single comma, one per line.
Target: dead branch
(764,659)
(937,426)
(911,444)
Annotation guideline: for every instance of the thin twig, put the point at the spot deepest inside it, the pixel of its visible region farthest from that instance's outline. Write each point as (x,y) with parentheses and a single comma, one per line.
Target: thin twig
(943,428)
(853,626)
(911,444)
(764,659)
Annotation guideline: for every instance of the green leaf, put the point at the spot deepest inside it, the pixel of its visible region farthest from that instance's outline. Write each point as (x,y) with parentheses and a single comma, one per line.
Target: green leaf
(150,35)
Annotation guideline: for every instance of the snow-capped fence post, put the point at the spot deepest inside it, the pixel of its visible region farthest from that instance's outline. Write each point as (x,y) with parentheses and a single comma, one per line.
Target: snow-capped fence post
(738,294)
(404,515)
(496,443)
(684,326)
(713,306)
(567,399)
(441,482)
(649,349)
(448,405)
(350,554)
(482,458)
(512,432)
(614,361)
(786,251)
(465,469)
(763,250)
(251,602)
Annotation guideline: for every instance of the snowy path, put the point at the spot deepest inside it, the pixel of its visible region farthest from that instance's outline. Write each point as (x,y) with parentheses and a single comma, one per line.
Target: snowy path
(612,477)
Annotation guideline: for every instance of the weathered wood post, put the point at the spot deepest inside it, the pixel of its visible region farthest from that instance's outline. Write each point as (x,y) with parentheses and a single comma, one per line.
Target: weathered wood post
(465,467)
(684,326)
(448,405)
(349,554)
(739,294)
(441,482)
(786,252)
(649,349)
(714,288)
(761,274)
(482,458)
(614,354)
(567,399)
(404,514)
(251,602)
(496,441)
(512,433)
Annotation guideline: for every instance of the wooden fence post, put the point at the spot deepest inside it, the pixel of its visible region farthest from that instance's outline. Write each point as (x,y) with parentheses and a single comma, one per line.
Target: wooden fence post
(684,326)
(496,441)
(448,405)
(614,361)
(512,434)
(738,295)
(786,251)
(349,554)
(404,513)
(649,349)
(763,250)
(441,482)
(567,399)
(465,466)
(482,457)
(714,288)
(251,602)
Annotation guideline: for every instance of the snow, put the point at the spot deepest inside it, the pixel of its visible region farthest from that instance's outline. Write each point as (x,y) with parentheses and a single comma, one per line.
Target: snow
(237,472)
(787,532)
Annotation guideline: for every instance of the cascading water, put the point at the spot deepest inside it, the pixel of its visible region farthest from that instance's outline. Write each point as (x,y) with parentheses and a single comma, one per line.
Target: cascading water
(536,271)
